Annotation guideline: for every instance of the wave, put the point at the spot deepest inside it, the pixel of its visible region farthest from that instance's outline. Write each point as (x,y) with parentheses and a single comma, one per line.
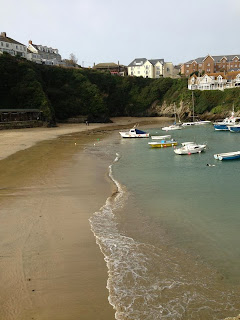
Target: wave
(152,282)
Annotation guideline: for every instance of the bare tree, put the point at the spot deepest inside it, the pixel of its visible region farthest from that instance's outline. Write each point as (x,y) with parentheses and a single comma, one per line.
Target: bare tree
(73,59)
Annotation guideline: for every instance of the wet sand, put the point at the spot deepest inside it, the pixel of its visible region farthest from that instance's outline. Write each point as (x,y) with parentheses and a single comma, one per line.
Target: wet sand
(50,265)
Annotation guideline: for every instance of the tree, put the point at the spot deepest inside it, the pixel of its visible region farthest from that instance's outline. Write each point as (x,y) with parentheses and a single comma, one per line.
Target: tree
(73,59)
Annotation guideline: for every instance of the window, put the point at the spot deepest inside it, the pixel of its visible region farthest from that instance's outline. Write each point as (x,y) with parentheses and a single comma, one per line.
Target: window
(208,64)
(200,64)
(187,65)
(146,71)
(7,45)
(157,73)
(235,65)
(138,72)
(16,47)
(147,67)
(2,44)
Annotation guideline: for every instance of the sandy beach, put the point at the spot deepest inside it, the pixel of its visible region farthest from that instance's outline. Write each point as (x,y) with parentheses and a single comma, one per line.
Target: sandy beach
(51,267)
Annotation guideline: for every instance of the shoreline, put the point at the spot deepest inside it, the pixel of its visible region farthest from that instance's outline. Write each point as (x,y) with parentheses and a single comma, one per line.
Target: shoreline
(51,266)
(14,140)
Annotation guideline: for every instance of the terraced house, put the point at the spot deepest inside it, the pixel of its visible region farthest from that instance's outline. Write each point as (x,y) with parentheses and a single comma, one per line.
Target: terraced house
(211,64)
(12,46)
(43,54)
(154,68)
(215,81)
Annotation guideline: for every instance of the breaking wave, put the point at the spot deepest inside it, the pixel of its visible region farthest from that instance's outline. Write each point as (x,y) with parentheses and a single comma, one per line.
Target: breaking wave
(154,282)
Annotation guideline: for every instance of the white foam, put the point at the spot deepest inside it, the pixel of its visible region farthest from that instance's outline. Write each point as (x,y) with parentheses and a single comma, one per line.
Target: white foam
(141,275)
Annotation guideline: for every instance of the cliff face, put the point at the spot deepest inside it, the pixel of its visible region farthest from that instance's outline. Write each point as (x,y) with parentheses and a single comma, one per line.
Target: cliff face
(185,111)
(234,318)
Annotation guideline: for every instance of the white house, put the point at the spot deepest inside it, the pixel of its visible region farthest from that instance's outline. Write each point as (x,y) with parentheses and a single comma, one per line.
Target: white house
(43,54)
(215,81)
(151,68)
(12,46)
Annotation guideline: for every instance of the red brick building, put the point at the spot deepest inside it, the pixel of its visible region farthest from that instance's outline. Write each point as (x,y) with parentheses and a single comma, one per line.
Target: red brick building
(211,64)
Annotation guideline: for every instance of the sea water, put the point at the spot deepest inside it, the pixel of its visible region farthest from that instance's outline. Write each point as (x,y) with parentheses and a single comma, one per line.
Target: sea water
(170,233)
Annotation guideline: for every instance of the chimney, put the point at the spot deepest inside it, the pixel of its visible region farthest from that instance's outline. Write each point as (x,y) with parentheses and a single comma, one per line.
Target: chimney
(30,41)
(3,34)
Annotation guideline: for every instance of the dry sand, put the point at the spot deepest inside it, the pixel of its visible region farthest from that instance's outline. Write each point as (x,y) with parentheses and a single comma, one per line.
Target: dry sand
(50,265)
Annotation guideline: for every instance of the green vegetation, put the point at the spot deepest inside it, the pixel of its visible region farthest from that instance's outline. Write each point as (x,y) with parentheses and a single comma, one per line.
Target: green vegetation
(62,93)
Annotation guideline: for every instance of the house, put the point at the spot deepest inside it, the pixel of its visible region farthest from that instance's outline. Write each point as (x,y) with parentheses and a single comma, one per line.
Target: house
(12,46)
(43,54)
(215,81)
(113,68)
(153,68)
(211,64)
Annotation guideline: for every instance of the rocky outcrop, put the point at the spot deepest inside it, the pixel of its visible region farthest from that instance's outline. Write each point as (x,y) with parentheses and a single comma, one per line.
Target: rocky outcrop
(234,318)
(184,111)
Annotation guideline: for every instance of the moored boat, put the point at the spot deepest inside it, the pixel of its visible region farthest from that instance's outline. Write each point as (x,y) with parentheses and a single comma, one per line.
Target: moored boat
(134,133)
(161,137)
(227,156)
(172,127)
(225,124)
(235,128)
(163,143)
(190,147)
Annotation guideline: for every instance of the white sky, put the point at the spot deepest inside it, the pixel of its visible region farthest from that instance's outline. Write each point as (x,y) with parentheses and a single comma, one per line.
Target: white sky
(122,30)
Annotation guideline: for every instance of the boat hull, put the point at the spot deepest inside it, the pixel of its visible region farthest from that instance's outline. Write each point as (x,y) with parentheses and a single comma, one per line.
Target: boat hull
(128,135)
(190,148)
(227,156)
(234,129)
(221,127)
(162,144)
(173,127)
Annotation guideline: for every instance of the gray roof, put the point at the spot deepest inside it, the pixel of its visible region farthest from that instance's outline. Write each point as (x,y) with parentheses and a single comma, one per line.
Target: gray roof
(137,62)
(154,61)
(140,61)
(216,58)
(9,40)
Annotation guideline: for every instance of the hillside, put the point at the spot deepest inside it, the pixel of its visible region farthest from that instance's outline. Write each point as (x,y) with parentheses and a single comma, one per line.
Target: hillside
(63,93)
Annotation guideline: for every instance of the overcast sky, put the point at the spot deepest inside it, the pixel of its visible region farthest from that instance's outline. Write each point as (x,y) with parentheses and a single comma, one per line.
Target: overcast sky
(122,30)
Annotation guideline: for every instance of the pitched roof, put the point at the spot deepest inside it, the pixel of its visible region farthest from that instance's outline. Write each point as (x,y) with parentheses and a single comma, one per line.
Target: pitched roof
(232,75)
(154,61)
(3,37)
(137,62)
(216,58)
(216,74)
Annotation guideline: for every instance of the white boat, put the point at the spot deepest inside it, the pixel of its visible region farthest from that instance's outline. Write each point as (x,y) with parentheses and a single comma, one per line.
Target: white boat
(197,123)
(190,147)
(225,124)
(134,133)
(172,127)
(161,137)
(227,156)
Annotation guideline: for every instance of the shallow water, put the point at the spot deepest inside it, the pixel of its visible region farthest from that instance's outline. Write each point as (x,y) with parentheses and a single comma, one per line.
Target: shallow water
(170,235)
